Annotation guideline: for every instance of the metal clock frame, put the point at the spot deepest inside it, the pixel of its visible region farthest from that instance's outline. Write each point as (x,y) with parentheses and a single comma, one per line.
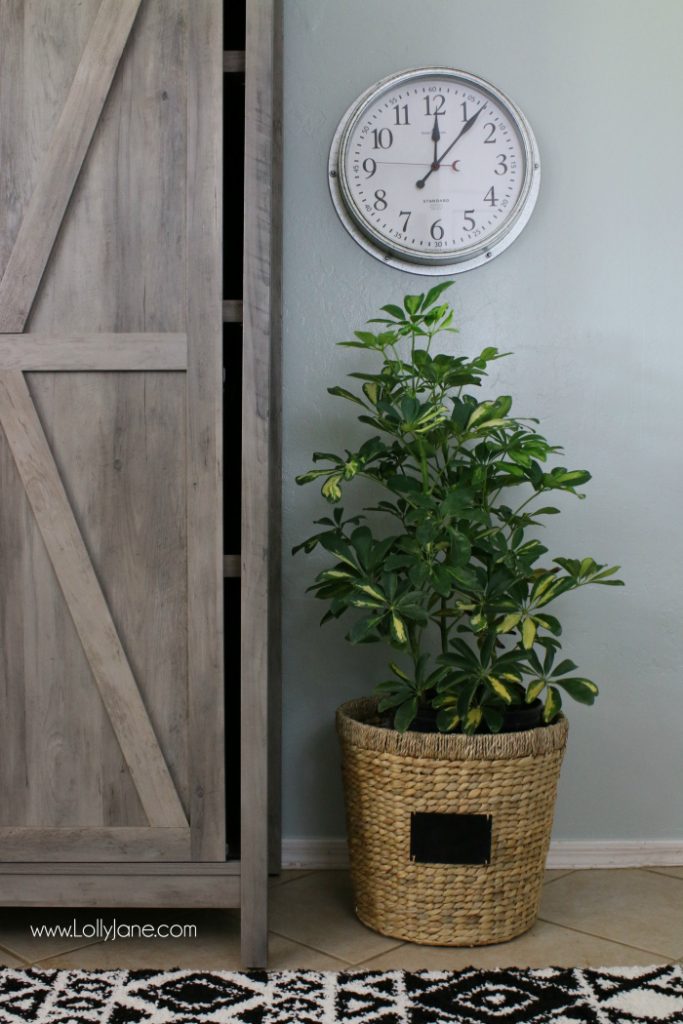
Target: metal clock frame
(402,257)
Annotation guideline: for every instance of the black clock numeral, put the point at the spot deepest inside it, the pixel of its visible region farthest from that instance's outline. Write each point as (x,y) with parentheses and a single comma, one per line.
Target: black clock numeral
(502,167)
(369,166)
(435,105)
(401,114)
(436,230)
(383,138)
(469,223)
(406,214)
(491,128)
(463,107)
(490,197)
(380,200)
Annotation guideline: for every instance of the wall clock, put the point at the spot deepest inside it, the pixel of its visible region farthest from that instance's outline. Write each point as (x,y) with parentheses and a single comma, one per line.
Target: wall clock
(434,171)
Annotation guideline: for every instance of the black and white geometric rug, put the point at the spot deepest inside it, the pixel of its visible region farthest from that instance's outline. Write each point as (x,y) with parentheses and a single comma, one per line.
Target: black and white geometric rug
(614,995)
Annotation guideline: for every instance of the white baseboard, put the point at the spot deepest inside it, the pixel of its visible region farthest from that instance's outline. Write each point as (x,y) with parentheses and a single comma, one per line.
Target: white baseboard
(582,853)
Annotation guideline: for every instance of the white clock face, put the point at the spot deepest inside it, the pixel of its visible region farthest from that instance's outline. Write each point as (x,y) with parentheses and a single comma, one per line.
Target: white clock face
(436,168)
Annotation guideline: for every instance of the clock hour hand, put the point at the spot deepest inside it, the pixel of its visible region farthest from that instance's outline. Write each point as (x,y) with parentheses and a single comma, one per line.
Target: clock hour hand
(439,160)
(436,135)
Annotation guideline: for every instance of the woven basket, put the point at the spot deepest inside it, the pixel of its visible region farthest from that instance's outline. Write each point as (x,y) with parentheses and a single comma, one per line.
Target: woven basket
(389,776)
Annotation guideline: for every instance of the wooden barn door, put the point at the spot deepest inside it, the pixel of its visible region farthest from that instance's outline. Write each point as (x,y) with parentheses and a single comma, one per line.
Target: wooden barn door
(111,717)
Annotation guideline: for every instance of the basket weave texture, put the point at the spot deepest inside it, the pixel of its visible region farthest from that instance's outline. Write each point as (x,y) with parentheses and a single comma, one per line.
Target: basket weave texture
(388,776)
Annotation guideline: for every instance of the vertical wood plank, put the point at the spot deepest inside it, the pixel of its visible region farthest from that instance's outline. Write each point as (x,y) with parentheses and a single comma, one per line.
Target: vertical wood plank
(63,161)
(204,420)
(86,602)
(260,497)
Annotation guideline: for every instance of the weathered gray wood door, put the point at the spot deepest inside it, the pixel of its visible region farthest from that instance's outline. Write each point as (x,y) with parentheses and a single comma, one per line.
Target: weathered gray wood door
(111,720)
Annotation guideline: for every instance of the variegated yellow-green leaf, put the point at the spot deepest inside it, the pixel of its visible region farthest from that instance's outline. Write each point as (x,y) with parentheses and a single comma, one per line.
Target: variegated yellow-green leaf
(553,703)
(371,591)
(479,413)
(528,634)
(533,689)
(541,587)
(398,629)
(335,574)
(371,391)
(501,689)
(398,671)
(472,719)
(447,720)
(331,489)
(509,622)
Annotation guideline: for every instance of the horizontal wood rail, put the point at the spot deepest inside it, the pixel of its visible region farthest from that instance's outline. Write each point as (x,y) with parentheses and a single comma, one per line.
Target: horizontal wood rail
(94,843)
(234,60)
(93,352)
(232,311)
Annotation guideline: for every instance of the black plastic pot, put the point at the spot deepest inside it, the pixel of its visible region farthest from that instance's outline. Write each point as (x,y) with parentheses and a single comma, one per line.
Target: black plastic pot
(517,718)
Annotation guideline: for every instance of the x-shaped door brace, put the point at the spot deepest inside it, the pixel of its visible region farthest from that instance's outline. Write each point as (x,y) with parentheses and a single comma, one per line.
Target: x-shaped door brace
(24,432)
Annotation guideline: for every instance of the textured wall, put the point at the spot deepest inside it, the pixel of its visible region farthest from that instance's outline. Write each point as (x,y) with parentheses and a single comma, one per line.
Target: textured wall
(589,299)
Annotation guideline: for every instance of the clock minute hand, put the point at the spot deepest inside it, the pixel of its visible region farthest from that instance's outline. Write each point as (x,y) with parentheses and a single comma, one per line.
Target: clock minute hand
(438,161)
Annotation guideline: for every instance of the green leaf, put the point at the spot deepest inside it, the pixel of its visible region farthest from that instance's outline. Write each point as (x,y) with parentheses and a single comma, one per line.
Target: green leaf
(434,293)
(412,303)
(364,630)
(564,667)
(343,393)
(337,546)
(582,690)
(405,714)
(493,718)
(394,311)
(447,720)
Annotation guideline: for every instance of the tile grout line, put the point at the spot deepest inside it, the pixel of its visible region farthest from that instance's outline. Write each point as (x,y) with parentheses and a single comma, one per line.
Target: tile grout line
(313,949)
(662,872)
(278,881)
(565,874)
(65,952)
(17,956)
(604,938)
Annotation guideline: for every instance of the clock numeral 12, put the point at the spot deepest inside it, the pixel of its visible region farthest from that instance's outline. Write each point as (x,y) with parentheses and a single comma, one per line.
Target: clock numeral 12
(437,107)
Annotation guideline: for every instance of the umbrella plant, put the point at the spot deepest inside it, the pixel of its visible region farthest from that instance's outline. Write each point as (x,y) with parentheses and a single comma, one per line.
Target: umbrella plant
(446,566)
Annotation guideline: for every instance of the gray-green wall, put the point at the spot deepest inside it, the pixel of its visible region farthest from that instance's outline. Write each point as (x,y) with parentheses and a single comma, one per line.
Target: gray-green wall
(590,300)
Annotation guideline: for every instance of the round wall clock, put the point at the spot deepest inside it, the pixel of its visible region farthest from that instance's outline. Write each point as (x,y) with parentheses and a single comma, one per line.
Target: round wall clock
(434,171)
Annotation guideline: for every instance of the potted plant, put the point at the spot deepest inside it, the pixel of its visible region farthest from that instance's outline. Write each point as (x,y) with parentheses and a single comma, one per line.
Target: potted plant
(451,768)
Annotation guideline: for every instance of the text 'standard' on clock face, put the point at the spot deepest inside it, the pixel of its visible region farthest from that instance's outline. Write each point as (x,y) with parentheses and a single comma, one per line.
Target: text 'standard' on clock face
(434,170)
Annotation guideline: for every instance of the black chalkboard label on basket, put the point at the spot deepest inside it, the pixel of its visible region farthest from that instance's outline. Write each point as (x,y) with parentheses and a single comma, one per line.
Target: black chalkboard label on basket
(450,838)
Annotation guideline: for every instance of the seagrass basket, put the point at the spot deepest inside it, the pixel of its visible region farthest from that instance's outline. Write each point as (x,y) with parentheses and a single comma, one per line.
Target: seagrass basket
(448,834)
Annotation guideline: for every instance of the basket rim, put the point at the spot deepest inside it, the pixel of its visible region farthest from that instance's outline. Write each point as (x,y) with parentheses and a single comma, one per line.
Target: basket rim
(355,730)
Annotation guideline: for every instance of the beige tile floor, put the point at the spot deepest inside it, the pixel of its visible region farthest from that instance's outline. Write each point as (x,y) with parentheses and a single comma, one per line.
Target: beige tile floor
(587,918)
